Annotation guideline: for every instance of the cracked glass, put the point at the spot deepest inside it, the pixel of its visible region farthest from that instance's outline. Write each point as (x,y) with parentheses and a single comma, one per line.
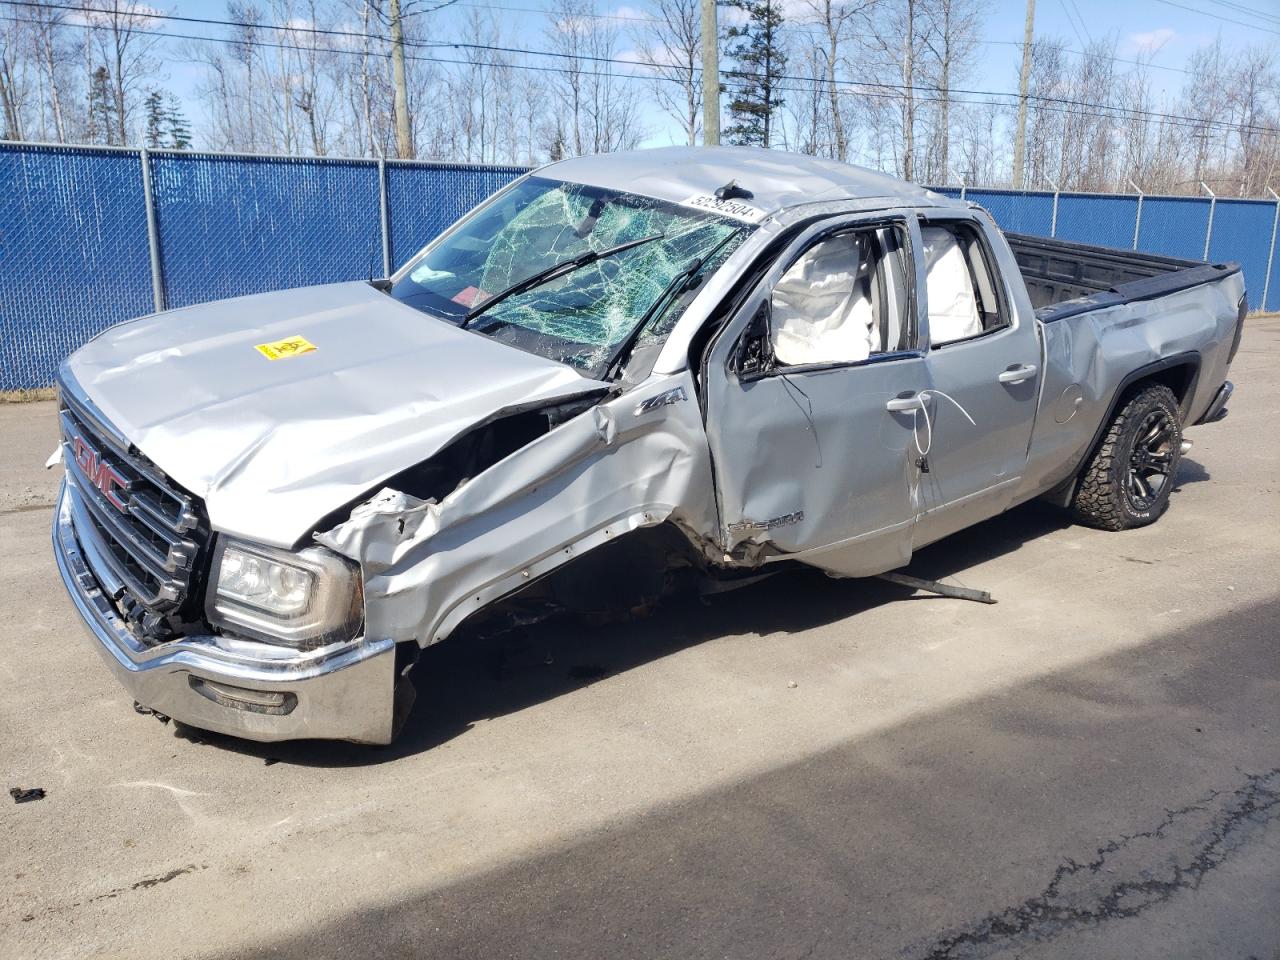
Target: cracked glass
(586,316)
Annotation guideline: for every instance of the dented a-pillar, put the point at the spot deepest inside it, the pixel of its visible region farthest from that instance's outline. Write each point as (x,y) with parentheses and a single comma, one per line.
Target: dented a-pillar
(635,460)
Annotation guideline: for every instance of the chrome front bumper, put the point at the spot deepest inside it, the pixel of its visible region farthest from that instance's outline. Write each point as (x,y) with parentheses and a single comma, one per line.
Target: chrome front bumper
(253,690)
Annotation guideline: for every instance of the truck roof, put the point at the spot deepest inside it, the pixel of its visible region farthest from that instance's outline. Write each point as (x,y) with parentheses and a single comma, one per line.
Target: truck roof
(777,179)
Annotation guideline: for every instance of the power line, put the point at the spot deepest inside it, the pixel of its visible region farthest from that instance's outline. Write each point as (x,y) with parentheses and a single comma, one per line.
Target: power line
(359,35)
(807,25)
(1090,53)
(862,88)
(630,18)
(1080,17)
(464,45)
(1217,16)
(1071,20)
(355,34)
(924,88)
(1248,11)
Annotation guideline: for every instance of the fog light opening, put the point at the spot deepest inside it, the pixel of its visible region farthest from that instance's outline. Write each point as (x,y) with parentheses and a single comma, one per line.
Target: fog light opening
(272,702)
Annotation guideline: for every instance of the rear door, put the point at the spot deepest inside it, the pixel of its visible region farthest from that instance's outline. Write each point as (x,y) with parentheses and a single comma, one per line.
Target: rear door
(983,363)
(811,461)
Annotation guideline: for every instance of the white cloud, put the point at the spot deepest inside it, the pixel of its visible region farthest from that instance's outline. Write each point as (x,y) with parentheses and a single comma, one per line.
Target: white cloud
(578,25)
(1150,41)
(630,13)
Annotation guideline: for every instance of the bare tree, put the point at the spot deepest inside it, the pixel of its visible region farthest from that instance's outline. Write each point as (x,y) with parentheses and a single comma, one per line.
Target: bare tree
(1254,101)
(837,20)
(597,115)
(671,43)
(1044,128)
(534,120)
(950,40)
(54,51)
(806,119)
(125,46)
(11,80)
(893,47)
(480,98)
(908,41)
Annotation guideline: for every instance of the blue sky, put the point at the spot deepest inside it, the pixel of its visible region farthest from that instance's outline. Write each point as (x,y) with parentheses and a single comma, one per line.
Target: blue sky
(1168,31)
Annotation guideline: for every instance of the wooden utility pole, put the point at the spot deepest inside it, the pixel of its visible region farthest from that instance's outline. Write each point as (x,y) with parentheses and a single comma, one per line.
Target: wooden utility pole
(710,75)
(1020,138)
(909,95)
(404,130)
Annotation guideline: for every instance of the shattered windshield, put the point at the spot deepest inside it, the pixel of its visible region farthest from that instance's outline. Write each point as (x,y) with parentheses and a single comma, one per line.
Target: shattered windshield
(585,316)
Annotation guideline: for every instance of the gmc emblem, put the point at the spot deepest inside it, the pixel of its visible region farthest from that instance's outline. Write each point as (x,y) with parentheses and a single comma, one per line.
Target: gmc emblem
(100,473)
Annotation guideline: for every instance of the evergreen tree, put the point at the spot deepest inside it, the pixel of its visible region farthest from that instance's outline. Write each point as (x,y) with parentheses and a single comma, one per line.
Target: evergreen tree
(757,65)
(176,125)
(102,108)
(154,105)
(558,149)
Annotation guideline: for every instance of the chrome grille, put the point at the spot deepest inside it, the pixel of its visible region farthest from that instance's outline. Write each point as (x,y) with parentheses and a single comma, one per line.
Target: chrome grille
(144,536)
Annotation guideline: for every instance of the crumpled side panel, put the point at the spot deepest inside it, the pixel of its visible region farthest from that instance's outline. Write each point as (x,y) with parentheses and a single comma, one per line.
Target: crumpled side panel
(427,565)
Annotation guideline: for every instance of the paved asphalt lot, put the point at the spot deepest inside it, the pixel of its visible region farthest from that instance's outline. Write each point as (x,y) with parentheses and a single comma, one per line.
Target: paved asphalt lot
(809,768)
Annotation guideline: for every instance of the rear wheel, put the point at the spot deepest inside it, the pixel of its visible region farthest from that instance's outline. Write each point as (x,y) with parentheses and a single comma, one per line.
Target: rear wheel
(1129,478)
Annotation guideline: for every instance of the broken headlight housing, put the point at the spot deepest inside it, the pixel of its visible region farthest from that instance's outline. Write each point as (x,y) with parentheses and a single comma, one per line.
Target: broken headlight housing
(303,600)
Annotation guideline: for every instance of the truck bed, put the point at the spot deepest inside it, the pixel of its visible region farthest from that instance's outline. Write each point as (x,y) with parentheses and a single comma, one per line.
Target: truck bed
(1064,278)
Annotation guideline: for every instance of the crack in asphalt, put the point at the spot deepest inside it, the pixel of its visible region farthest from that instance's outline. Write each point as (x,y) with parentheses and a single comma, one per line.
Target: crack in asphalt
(146,883)
(1055,910)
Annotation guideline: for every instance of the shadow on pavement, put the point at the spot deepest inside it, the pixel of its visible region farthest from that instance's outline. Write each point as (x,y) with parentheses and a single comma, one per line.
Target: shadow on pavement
(1075,815)
(468,678)
(1190,471)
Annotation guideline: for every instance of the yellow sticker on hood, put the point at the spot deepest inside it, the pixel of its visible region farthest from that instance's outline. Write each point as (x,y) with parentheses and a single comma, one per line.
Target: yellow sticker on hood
(288,347)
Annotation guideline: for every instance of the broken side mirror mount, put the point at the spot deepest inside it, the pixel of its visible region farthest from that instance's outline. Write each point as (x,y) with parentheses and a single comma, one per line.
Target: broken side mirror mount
(754,357)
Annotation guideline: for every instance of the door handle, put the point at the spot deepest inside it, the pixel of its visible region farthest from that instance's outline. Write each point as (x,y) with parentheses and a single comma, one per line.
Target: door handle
(1023,371)
(903,404)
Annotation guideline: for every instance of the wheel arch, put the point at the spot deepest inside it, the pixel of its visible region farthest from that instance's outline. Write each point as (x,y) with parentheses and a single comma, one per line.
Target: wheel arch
(1179,373)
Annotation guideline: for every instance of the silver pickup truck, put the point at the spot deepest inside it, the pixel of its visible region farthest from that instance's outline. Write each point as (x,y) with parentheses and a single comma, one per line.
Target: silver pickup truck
(618,375)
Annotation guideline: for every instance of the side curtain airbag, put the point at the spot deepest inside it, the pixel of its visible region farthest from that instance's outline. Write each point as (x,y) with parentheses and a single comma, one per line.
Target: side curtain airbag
(953,310)
(822,310)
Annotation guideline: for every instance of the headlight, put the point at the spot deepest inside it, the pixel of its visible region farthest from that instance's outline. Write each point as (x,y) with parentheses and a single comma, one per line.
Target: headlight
(280,589)
(305,599)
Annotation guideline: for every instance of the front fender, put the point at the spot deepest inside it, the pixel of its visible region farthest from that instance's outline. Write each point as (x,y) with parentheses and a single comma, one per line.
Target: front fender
(619,466)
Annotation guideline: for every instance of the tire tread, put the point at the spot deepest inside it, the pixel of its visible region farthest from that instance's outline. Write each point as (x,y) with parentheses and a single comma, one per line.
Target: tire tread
(1099,499)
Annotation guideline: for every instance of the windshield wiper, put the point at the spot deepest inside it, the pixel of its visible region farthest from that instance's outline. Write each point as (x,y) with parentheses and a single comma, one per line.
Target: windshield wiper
(682,282)
(554,271)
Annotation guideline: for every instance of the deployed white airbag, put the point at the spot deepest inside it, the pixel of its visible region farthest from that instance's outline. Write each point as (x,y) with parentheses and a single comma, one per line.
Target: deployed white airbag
(953,310)
(822,310)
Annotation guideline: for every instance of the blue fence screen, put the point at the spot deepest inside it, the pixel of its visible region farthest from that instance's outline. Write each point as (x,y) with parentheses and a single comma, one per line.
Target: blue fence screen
(76,246)
(73,254)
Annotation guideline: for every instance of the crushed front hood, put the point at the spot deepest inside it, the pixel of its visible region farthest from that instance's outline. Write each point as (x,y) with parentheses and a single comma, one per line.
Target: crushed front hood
(274,446)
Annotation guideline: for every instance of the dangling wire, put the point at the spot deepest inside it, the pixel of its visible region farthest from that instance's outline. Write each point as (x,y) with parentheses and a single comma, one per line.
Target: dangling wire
(806,409)
(922,407)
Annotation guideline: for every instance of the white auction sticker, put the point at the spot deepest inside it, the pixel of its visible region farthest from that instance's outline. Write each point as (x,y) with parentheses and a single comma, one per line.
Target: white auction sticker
(727,208)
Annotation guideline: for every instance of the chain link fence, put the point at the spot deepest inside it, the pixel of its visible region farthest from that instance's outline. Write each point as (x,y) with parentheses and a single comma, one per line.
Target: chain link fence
(73,254)
(91,236)
(1100,220)
(424,199)
(228,226)
(1016,211)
